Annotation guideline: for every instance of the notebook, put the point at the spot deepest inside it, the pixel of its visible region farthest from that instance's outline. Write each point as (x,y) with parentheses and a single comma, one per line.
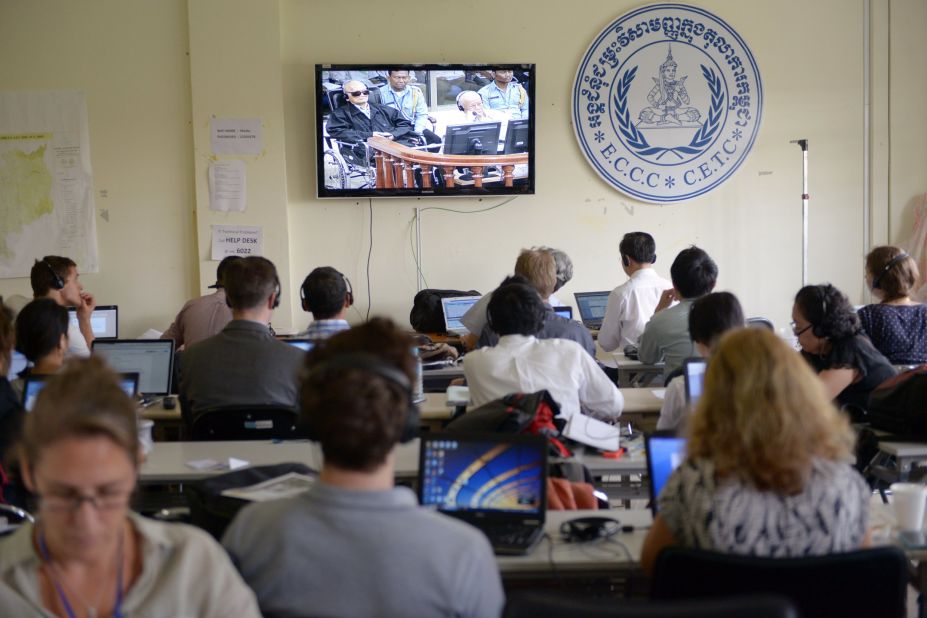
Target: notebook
(694,371)
(454,308)
(665,451)
(151,359)
(104,321)
(591,307)
(564,311)
(496,482)
(31,387)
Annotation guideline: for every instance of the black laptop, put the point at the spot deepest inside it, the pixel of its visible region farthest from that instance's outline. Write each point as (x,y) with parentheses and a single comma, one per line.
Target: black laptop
(665,451)
(496,482)
(591,307)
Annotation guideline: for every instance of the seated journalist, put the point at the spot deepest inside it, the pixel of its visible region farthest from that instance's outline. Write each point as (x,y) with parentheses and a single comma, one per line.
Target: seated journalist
(767,468)
(355,544)
(88,554)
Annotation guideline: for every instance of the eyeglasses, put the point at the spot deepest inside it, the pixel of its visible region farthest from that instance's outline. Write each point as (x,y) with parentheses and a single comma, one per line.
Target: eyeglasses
(799,331)
(106,501)
(358,93)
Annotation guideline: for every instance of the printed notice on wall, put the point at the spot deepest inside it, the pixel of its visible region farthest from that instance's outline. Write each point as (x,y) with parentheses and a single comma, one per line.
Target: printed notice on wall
(240,240)
(236,136)
(227,190)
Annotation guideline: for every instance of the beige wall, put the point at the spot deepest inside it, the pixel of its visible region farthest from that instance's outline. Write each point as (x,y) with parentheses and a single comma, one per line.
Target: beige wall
(256,58)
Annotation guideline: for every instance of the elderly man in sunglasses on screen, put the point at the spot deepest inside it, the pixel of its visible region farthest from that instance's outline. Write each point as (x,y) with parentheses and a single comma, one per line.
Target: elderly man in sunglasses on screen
(359,120)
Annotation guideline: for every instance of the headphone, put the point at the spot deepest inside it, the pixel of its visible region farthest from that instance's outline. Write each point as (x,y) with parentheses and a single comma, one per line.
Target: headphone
(348,293)
(585,529)
(277,292)
(57,281)
(816,329)
(898,258)
(367,363)
(460,94)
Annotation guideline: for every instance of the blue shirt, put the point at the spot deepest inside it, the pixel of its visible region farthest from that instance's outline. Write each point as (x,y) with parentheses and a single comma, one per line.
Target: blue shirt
(323,329)
(410,103)
(513,100)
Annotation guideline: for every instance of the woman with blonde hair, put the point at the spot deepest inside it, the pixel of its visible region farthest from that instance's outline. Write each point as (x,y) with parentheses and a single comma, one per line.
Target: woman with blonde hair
(87,554)
(767,470)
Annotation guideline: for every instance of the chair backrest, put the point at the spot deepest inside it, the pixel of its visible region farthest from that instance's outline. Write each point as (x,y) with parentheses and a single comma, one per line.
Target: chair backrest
(868,582)
(760,323)
(546,605)
(255,422)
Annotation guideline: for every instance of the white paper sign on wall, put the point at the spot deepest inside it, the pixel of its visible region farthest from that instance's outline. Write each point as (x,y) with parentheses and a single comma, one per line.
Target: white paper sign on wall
(241,240)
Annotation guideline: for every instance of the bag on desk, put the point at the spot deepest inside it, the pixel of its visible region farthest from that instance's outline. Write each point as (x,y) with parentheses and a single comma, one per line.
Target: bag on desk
(427,315)
(899,405)
(531,413)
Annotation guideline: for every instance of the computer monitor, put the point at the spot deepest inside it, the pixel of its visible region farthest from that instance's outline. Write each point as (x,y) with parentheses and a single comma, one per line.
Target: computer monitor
(516,137)
(481,138)
(152,359)
(104,321)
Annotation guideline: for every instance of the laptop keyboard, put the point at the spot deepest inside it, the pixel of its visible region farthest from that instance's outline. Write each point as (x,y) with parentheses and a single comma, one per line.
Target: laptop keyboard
(512,539)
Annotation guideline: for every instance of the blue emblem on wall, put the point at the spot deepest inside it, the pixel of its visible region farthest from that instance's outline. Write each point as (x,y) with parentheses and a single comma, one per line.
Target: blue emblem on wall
(667,102)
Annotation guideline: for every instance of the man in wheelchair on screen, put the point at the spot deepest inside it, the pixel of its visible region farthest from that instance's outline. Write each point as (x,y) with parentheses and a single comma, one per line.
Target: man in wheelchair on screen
(359,120)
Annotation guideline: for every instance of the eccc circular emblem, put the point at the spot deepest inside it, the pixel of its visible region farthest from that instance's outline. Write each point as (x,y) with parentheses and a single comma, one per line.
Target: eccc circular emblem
(667,102)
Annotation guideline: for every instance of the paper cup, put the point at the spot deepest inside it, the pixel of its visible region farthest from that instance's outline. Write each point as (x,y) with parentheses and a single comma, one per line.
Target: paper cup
(145,439)
(908,501)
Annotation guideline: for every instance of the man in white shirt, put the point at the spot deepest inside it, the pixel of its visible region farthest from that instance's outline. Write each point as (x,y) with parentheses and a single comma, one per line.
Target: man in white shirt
(56,277)
(521,362)
(631,304)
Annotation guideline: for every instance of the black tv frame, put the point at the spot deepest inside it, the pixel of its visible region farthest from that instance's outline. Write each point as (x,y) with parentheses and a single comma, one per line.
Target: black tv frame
(323,149)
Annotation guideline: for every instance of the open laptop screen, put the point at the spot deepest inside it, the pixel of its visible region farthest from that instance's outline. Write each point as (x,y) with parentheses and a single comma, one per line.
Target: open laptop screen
(151,359)
(454,308)
(564,311)
(18,362)
(665,451)
(31,387)
(694,372)
(591,305)
(498,473)
(305,345)
(104,321)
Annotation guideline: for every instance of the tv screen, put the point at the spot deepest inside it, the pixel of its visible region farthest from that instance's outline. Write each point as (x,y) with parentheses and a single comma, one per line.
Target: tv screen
(424,130)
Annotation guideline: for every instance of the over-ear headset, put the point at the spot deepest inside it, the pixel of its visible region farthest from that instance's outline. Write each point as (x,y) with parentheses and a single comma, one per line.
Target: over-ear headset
(584,529)
(460,94)
(367,363)
(277,291)
(348,293)
(816,329)
(57,281)
(876,283)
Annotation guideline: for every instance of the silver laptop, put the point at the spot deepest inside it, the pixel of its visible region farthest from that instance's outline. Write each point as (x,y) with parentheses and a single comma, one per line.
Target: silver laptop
(104,321)
(454,308)
(591,307)
(151,359)
(694,372)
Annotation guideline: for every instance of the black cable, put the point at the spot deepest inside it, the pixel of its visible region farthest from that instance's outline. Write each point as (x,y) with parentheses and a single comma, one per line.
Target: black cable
(369,253)
(550,559)
(418,265)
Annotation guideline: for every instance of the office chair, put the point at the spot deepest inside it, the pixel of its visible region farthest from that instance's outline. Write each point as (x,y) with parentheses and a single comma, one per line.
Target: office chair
(545,605)
(255,422)
(867,582)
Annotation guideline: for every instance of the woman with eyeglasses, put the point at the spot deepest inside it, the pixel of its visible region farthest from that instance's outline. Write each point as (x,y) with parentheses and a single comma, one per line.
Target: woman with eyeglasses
(87,555)
(831,340)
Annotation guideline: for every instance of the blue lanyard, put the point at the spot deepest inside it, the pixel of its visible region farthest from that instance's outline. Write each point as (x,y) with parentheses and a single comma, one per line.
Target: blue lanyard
(117,609)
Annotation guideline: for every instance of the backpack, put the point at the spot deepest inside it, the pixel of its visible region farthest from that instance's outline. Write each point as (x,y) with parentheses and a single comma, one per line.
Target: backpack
(899,404)
(427,315)
(530,413)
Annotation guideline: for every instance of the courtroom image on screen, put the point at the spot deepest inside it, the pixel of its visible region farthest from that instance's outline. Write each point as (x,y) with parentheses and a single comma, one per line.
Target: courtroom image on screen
(435,119)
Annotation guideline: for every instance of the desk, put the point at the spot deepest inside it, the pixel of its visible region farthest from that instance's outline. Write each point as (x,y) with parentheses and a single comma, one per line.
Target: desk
(630,372)
(437,380)
(907,455)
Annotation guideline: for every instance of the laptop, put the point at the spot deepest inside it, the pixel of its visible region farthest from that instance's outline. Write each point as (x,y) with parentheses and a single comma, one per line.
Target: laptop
(104,321)
(591,307)
(496,482)
(564,311)
(151,359)
(694,371)
(665,451)
(32,385)
(454,308)
(303,344)
(18,362)
(129,383)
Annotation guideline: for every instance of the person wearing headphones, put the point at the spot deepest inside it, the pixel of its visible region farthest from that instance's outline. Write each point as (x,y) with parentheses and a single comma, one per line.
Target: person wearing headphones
(505,94)
(355,544)
(327,295)
(56,277)
(470,104)
(832,342)
(204,316)
(896,325)
(631,304)
(244,364)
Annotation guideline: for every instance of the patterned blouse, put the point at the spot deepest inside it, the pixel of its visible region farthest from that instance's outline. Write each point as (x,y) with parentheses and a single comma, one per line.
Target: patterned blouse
(897,331)
(829,515)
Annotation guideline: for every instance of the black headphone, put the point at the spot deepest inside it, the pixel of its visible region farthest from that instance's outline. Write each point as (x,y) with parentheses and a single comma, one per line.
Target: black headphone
(348,293)
(277,292)
(370,364)
(878,280)
(460,94)
(57,281)
(816,329)
(585,529)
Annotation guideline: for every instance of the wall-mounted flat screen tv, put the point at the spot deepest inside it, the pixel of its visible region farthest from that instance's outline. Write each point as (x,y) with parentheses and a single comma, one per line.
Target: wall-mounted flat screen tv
(448,130)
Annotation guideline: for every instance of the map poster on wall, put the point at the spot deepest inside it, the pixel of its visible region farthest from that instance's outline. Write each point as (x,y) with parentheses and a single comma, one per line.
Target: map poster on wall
(46,183)
(667,102)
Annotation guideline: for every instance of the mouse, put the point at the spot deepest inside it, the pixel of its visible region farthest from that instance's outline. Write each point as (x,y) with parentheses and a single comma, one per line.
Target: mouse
(169,403)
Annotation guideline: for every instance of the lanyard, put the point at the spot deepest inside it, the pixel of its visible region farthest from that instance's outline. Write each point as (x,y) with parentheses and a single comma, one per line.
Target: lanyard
(117,608)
